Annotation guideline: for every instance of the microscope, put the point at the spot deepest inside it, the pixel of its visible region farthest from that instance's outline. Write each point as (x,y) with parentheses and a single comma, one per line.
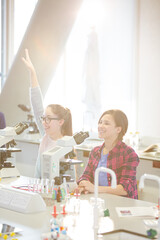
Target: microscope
(56,161)
(7,141)
(32,127)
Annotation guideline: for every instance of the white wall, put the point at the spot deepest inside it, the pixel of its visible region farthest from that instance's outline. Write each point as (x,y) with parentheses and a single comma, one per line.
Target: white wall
(149,68)
(117,48)
(45,38)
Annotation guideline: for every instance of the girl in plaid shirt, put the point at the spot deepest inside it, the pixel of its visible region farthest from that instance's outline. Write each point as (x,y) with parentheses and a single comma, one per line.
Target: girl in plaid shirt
(113,154)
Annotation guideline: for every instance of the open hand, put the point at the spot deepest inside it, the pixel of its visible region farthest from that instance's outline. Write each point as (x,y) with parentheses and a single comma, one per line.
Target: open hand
(27,61)
(85,187)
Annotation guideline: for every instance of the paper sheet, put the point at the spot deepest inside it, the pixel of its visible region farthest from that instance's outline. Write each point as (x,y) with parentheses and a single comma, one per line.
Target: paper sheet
(136,211)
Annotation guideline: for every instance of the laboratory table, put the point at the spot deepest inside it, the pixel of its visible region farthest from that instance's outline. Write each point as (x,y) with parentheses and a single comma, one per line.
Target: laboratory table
(33,225)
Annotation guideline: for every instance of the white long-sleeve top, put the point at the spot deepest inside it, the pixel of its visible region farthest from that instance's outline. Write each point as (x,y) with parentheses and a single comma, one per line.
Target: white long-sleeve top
(46,142)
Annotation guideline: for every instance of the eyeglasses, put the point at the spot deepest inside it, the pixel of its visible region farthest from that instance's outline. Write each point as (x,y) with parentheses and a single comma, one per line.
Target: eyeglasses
(48,119)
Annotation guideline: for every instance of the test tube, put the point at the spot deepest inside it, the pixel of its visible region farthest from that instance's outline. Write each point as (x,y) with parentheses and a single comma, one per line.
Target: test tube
(65,185)
(47,186)
(34,185)
(30,185)
(38,185)
(42,185)
(52,185)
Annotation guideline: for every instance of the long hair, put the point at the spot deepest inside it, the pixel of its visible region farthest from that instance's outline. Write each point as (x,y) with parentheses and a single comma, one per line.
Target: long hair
(120,119)
(63,113)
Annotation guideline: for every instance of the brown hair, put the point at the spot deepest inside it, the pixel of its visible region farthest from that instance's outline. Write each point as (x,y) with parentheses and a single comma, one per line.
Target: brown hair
(120,119)
(63,113)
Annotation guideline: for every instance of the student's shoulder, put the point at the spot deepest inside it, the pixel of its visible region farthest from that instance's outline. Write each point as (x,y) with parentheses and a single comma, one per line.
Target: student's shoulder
(126,148)
(1,114)
(97,149)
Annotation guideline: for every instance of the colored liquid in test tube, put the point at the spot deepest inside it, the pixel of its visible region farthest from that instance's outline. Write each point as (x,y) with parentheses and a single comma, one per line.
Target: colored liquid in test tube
(35,186)
(52,185)
(42,185)
(38,185)
(30,184)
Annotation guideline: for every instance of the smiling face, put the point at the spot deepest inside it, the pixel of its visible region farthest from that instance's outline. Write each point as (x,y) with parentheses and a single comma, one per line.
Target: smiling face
(52,128)
(107,128)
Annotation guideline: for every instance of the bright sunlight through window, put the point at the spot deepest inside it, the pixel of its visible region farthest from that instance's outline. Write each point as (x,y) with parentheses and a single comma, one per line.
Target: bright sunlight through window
(113,88)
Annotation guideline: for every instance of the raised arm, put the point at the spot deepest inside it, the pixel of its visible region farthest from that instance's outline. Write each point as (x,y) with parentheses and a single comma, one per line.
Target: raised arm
(31,69)
(36,98)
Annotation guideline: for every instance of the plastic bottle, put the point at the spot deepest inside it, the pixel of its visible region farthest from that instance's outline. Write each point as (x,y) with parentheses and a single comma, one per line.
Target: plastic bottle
(131,143)
(136,140)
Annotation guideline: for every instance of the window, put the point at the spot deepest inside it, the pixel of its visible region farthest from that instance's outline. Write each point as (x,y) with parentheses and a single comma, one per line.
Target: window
(23,11)
(15,16)
(0,45)
(114,25)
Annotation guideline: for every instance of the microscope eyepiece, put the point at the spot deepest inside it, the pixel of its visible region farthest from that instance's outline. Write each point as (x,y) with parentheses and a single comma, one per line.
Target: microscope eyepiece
(80,137)
(24,108)
(20,127)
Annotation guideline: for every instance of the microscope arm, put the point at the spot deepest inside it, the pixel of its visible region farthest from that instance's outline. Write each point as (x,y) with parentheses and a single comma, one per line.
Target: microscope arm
(7,134)
(5,140)
(51,159)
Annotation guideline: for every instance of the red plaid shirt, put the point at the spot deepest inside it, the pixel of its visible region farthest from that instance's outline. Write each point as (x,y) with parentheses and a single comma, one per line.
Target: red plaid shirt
(123,160)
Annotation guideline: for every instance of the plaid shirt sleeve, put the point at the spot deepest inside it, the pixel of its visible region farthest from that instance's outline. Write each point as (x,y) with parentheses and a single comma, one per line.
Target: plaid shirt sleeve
(128,179)
(125,169)
(89,171)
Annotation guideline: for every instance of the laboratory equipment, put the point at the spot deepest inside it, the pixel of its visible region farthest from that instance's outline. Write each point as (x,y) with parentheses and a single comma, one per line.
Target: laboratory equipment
(32,127)
(113,185)
(54,163)
(136,140)
(7,169)
(8,229)
(7,139)
(141,186)
(152,223)
(153,228)
(58,228)
(150,177)
(20,200)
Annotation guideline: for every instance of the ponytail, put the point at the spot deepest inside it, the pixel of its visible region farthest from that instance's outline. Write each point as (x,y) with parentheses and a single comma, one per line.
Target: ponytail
(67,126)
(63,113)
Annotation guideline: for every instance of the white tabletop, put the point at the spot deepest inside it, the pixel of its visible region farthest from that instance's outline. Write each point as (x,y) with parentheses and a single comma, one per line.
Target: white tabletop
(33,225)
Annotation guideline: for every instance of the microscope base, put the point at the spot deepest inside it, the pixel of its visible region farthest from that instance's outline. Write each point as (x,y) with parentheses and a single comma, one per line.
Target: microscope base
(20,200)
(9,172)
